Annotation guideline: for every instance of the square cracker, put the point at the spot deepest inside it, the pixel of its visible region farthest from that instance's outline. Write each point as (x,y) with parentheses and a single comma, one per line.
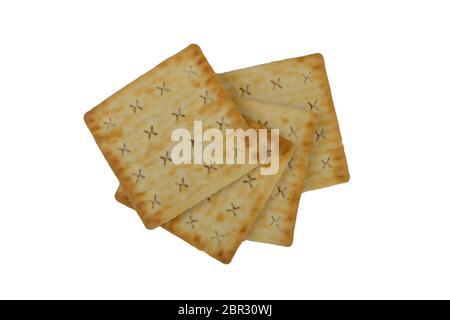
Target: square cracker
(220,223)
(133,130)
(276,223)
(300,83)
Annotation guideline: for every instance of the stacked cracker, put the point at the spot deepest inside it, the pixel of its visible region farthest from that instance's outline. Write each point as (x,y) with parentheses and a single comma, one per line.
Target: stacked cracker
(215,207)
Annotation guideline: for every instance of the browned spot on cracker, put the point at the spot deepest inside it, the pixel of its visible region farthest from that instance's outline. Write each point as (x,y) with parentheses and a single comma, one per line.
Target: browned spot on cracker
(196,84)
(178,59)
(221,255)
(221,95)
(300,59)
(163,64)
(88,117)
(114,134)
(152,222)
(95,127)
(200,62)
(214,108)
(206,69)
(210,81)
(140,91)
(317,67)
(243,230)
(196,51)
(196,239)
(257,81)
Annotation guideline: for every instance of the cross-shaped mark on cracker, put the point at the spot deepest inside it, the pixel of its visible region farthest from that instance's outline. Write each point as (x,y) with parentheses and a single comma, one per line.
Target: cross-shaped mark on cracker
(218,237)
(249,180)
(138,175)
(280,191)
(166,158)
(275,221)
(320,134)
(209,167)
(222,123)
(109,124)
(181,185)
(293,132)
(155,201)
(190,72)
(163,89)
(151,132)
(206,97)
(276,84)
(191,221)
(307,77)
(313,105)
(178,114)
(135,106)
(124,150)
(326,163)
(263,124)
(245,91)
(233,209)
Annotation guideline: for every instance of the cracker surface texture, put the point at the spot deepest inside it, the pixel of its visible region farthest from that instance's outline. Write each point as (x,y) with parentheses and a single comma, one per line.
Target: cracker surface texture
(133,130)
(299,83)
(276,223)
(220,223)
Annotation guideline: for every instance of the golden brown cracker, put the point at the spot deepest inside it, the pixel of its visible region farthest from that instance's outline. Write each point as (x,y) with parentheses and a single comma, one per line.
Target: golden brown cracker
(133,130)
(276,222)
(221,222)
(300,83)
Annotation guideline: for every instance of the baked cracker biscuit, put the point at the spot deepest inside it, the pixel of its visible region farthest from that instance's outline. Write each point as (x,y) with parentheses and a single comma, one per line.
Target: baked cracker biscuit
(133,129)
(300,83)
(276,222)
(221,222)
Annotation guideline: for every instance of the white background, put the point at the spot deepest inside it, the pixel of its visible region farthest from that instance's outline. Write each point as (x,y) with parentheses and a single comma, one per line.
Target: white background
(386,234)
